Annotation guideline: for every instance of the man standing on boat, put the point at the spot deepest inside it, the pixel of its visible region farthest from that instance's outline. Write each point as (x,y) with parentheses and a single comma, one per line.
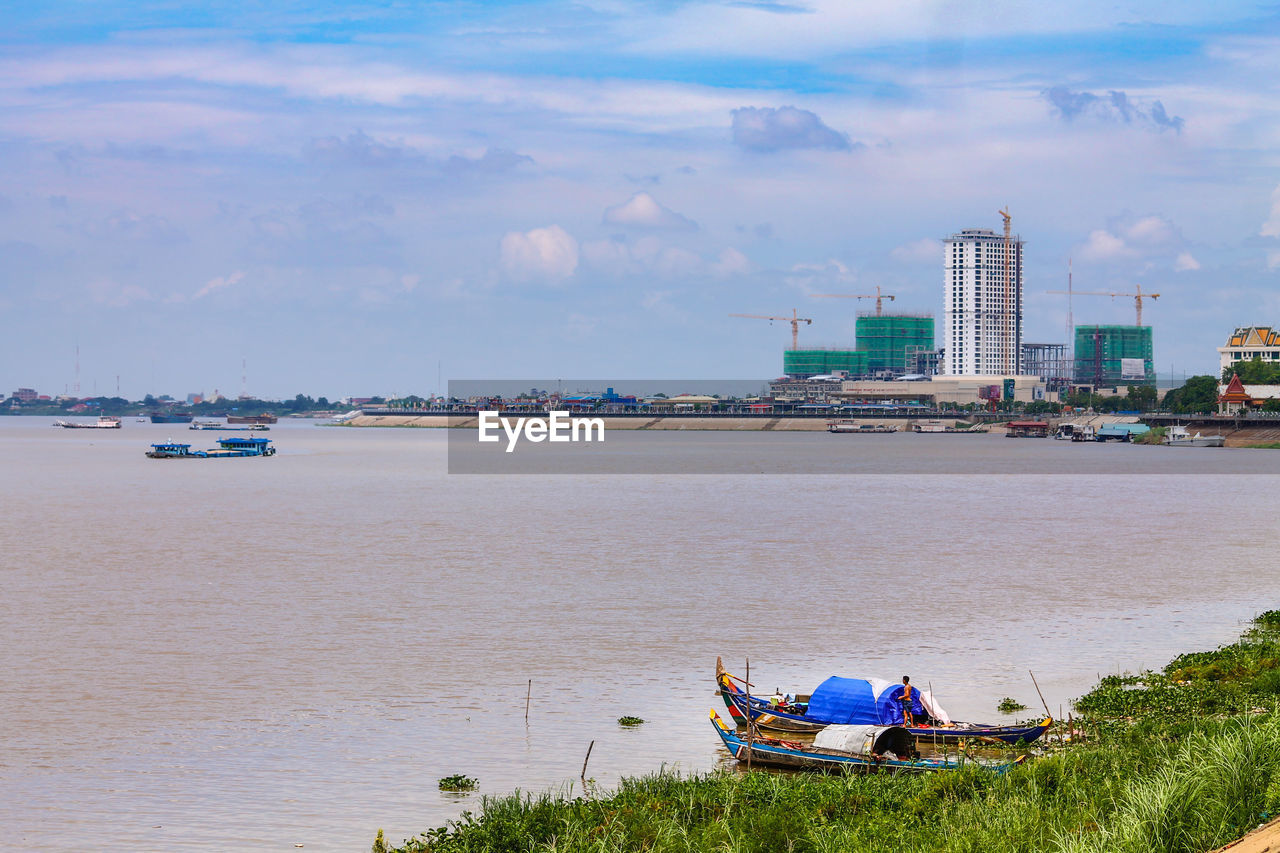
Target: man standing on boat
(907,697)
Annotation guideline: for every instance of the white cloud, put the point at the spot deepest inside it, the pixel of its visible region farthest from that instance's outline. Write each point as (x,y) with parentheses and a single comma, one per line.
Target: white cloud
(1271,228)
(643,211)
(218,283)
(829,277)
(1151,231)
(1186,263)
(730,263)
(1104,246)
(925,251)
(547,254)
(1273,260)
(107,292)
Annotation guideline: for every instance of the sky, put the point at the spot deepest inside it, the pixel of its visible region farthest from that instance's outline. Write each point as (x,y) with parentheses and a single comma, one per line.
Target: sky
(363,198)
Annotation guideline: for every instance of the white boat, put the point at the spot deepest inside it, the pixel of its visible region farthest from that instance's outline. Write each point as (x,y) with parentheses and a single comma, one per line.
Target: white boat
(1084,432)
(1065,431)
(854,426)
(104,422)
(1180,436)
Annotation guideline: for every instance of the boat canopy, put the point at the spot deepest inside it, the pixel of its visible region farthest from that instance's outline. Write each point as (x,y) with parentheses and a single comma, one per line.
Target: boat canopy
(865,740)
(869,701)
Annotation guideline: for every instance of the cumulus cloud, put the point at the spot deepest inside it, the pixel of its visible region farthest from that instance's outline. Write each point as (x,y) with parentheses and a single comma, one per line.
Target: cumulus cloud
(643,211)
(1114,106)
(730,263)
(218,283)
(826,277)
(543,254)
(1148,239)
(925,251)
(494,161)
(766,129)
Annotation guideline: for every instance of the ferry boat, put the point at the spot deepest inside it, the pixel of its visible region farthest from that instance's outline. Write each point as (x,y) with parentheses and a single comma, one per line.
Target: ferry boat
(251,419)
(219,425)
(226,449)
(104,422)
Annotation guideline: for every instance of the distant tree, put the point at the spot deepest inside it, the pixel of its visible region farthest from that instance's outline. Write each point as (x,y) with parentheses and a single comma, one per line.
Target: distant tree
(1272,405)
(1042,407)
(148,400)
(1254,372)
(1198,395)
(322,402)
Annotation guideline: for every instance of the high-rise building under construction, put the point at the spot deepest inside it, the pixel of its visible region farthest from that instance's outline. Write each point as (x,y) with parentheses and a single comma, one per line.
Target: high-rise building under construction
(982,317)
(1113,356)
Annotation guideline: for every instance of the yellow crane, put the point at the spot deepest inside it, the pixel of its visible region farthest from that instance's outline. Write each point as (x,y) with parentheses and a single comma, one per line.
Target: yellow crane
(793,320)
(1138,296)
(877,296)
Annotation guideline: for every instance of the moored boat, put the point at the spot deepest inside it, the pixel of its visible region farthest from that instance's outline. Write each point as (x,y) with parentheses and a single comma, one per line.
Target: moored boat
(849,426)
(863,701)
(1180,436)
(846,748)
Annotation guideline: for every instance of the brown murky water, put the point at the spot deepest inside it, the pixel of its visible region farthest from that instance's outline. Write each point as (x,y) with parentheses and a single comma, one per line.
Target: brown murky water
(250,654)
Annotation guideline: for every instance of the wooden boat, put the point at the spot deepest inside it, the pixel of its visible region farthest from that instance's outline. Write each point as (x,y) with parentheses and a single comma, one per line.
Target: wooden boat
(865,702)
(856,749)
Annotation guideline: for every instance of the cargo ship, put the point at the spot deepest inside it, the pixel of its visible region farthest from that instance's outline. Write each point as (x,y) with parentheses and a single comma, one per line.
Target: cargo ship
(227,448)
(250,419)
(104,422)
(170,417)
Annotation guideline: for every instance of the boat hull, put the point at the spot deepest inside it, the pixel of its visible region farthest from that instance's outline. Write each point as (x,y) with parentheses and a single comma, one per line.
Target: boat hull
(777,753)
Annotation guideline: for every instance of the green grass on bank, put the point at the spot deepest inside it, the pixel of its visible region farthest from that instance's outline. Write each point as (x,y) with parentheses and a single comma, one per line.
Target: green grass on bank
(1186,759)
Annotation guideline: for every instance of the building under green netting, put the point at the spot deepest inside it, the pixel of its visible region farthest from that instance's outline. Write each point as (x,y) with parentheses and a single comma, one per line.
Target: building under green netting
(885,338)
(1113,356)
(820,361)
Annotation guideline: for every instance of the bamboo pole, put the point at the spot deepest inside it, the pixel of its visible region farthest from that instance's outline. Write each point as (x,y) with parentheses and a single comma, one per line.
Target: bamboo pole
(750,722)
(1042,702)
(527,696)
(584,766)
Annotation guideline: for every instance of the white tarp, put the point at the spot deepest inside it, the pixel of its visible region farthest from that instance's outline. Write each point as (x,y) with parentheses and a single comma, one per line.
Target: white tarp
(854,739)
(935,710)
(1132,368)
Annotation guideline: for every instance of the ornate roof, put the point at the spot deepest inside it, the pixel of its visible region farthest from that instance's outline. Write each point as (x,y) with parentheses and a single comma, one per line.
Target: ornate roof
(1235,392)
(1255,336)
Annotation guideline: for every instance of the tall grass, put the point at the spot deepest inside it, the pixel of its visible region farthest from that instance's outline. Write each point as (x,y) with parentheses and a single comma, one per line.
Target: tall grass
(1180,761)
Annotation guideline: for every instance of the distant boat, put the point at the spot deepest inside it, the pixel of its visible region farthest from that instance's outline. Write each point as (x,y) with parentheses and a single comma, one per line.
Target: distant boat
(847,748)
(104,422)
(219,425)
(1180,436)
(855,427)
(170,417)
(251,419)
(227,448)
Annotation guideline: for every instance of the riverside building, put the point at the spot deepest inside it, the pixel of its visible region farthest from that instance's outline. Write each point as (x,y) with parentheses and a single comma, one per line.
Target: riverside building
(982,317)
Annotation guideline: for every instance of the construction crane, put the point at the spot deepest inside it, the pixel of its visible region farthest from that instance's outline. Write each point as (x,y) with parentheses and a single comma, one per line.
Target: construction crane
(1138,296)
(877,296)
(793,320)
(1006,331)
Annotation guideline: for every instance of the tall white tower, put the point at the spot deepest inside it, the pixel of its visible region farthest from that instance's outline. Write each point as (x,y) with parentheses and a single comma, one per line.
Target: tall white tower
(982,317)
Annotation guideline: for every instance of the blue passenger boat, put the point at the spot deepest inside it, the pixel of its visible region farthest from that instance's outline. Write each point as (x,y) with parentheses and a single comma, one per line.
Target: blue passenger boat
(857,749)
(863,701)
(226,449)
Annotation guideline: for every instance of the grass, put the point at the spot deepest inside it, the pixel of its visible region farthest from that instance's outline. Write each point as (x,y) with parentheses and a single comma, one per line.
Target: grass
(1182,760)
(630,722)
(1008,705)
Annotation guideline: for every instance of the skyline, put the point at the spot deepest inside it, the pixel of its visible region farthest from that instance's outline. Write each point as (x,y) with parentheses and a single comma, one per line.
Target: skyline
(355,198)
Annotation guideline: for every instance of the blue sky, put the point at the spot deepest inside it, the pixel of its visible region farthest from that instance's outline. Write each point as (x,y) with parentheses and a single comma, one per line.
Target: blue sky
(357,196)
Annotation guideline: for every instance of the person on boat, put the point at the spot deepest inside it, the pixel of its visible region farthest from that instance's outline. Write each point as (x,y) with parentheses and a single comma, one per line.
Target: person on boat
(907,697)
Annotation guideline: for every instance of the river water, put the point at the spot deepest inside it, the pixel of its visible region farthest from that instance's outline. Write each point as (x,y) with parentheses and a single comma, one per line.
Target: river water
(252,654)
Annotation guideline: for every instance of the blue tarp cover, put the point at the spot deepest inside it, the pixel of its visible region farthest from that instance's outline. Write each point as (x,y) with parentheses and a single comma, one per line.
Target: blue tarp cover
(865,701)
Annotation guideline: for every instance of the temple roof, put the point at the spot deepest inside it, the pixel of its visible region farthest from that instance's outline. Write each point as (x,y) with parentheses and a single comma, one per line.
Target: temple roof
(1235,392)
(1255,336)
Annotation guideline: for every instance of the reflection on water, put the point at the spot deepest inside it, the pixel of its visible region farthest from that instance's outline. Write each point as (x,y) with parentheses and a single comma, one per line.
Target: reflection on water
(247,654)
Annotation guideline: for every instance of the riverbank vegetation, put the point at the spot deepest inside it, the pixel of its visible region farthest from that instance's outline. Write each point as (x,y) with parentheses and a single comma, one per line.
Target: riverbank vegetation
(1185,759)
